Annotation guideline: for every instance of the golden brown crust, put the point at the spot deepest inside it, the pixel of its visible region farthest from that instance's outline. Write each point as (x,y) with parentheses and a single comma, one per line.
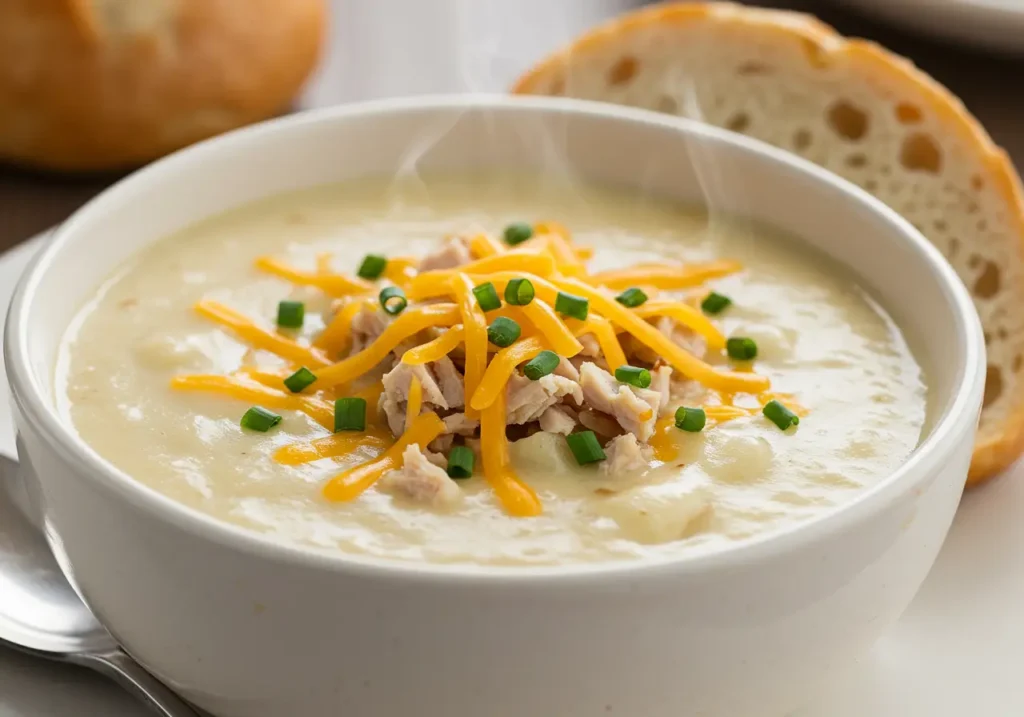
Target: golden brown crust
(102,84)
(824,45)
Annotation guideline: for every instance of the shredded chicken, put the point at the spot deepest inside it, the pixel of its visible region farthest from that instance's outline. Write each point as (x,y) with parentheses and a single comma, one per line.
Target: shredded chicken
(600,423)
(566,369)
(635,409)
(367,325)
(527,399)
(449,378)
(454,252)
(591,348)
(455,424)
(661,381)
(558,419)
(442,390)
(682,336)
(422,481)
(625,455)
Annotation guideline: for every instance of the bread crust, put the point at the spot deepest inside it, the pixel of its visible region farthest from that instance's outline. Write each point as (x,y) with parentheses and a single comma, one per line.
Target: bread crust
(89,85)
(999,448)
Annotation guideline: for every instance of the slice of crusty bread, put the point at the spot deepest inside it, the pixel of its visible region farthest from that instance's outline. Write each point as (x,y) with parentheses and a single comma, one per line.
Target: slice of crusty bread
(854,108)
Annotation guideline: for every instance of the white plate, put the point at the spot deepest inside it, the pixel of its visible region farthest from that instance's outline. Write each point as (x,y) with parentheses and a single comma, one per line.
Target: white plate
(957,652)
(994,24)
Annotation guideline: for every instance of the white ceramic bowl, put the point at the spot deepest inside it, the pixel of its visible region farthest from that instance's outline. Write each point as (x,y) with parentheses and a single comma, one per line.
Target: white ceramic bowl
(244,626)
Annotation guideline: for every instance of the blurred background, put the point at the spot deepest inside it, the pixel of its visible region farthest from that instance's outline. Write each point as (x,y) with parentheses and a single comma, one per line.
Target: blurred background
(84,64)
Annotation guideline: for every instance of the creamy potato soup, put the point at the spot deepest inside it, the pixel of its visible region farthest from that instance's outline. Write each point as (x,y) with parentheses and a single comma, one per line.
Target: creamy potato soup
(491,370)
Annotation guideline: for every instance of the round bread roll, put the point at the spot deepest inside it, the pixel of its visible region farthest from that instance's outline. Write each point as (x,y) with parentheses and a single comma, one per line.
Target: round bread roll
(106,84)
(855,109)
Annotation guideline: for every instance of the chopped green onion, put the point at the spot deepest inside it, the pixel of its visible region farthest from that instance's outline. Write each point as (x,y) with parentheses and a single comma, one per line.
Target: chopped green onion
(691,420)
(372,267)
(487,296)
(541,365)
(780,415)
(634,376)
(260,419)
(631,298)
(299,380)
(741,348)
(350,414)
(517,233)
(503,332)
(290,314)
(571,305)
(392,300)
(519,292)
(460,462)
(585,447)
(715,303)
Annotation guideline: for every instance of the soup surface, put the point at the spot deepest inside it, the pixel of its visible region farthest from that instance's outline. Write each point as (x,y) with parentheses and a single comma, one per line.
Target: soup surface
(142,378)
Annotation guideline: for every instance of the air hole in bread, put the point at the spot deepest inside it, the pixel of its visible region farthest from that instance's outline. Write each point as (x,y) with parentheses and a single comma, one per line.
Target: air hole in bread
(972,208)
(847,120)
(622,71)
(667,104)
(738,122)
(982,225)
(1002,333)
(974,261)
(941,226)
(801,139)
(977,183)
(753,67)
(993,384)
(987,336)
(954,243)
(856,160)
(908,113)
(1018,361)
(921,153)
(871,185)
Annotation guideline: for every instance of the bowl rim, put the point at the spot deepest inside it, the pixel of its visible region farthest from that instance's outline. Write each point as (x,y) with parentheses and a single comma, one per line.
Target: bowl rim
(926,460)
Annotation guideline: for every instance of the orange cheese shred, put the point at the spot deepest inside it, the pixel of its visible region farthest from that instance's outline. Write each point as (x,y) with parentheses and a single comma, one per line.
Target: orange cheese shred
(415,402)
(516,496)
(350,484)
(604,332)
(400,270)
(246,389)
(680,359)
(664,277)
(435,349)
(323,262)
(408,324)
(336,335)
(515,260)
(584,252)
(544,318)
(331,284)
(484,245)
(259,337)
(686,315)
(343,443)
(663,441)
(500,370)
(474,325)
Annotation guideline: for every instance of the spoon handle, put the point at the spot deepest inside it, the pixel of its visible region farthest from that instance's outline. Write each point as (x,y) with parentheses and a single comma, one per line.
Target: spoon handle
(118,666)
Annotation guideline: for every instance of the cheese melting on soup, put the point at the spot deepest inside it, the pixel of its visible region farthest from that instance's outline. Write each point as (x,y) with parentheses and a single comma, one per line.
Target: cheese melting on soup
(487,371)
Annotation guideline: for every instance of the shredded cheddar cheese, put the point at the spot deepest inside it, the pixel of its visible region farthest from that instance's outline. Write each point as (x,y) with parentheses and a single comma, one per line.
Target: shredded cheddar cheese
(517,497)
(415,404)
(330,284)
(500,370)
(335,338)
(343,443)
(663,277)
(474,326)
(436,349)
(247,389)
(258,337)
(484,245)
(686,315)
(556,334)
(350,484)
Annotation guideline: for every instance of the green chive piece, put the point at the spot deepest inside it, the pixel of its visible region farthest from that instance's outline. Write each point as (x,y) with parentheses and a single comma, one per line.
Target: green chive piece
(259,419)
(487,296)
(631,298)
(372,267)
(503,332)
(691,420)
(519,292)
(585,447)
(517,233)
(741,348)
(392,300)
(571,305)
(290,314)
(460,462)
(780,415)
(541,365)
(634,376)
(299,380)
(715,303)
(350,414)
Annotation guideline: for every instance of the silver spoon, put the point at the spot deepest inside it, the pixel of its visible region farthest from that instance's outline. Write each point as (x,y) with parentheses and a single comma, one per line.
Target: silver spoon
(40,613)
